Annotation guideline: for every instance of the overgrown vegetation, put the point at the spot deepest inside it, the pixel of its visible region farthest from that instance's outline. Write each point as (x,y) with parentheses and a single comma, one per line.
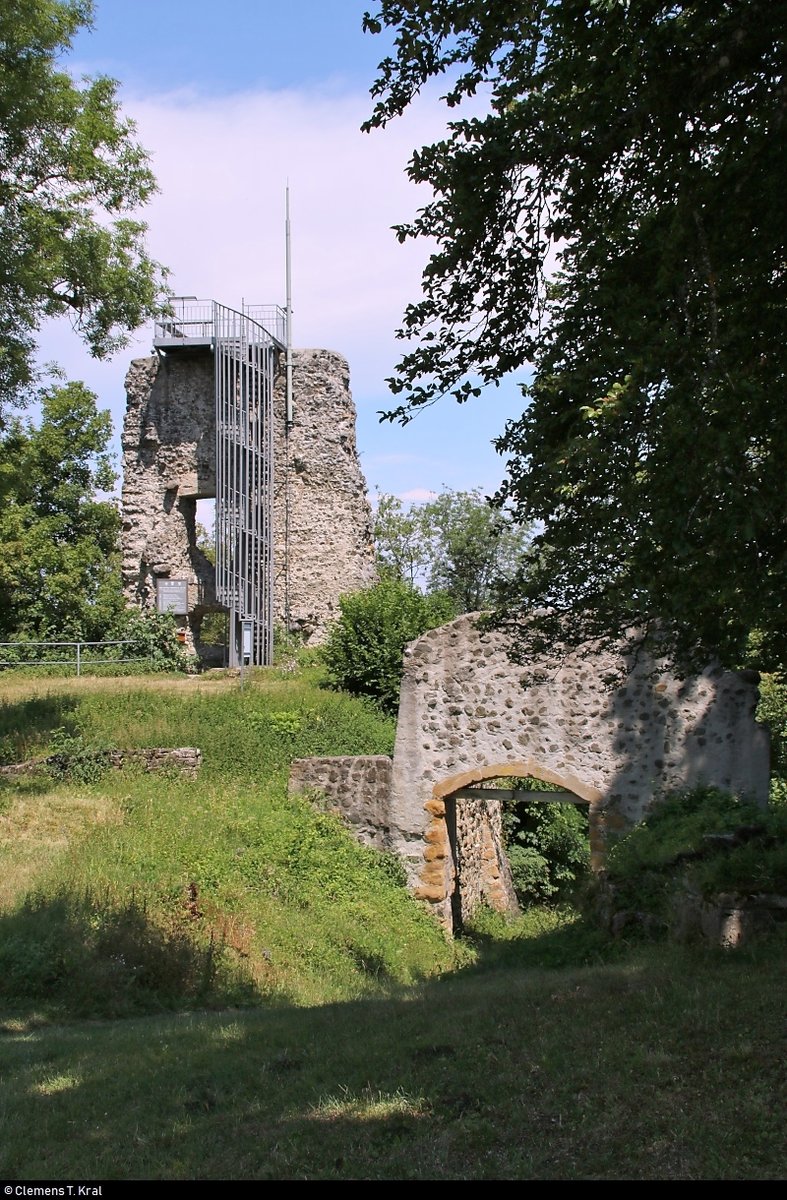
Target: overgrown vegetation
(137,642)
(352,1041)
(363,653)
(213,891)
(701,842)
(772,711)
(548,848)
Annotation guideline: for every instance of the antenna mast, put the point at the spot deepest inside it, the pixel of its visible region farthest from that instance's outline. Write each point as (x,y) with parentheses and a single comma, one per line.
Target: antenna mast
(288,416)
(288,391)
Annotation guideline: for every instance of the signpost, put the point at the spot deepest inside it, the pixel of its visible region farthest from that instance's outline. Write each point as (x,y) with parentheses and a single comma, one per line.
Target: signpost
(247,647)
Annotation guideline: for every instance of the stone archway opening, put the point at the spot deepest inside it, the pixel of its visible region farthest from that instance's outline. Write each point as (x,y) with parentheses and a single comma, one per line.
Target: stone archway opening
(468,715)
(485,865)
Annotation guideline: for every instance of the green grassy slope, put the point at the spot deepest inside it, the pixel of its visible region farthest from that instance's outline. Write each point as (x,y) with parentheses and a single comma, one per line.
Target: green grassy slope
(204,979)
(126,892)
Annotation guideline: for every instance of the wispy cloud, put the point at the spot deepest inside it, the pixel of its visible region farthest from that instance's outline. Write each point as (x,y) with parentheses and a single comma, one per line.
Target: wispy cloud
(417,496)
(223,164)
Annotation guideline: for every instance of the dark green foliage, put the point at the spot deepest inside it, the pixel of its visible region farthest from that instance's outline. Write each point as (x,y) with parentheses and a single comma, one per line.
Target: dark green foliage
(703,840)
(60,566)
(104,955)
(71,757)
(547,847)
(153,637)
(772,711)
(71,176)
(611,212)
(363,653)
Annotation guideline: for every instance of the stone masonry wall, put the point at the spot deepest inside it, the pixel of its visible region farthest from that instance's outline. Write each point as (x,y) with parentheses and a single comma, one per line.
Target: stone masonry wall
(480,861)
(185,760)
(330,521)
(357,788)
(467,714)
(169,452)
(321,508)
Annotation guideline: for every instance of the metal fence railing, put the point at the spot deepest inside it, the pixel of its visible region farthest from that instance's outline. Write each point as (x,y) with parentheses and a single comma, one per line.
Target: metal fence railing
(192,322)
(18,654)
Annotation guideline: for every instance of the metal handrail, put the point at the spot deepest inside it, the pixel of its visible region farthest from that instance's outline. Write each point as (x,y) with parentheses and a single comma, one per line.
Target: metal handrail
(193,320)
(77,661)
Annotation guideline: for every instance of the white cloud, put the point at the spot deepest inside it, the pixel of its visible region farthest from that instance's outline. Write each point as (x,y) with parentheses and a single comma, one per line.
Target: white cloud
(218,223)
(417,496)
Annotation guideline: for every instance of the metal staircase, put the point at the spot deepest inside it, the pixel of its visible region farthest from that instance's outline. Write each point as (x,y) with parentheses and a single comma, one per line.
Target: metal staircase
(245,347)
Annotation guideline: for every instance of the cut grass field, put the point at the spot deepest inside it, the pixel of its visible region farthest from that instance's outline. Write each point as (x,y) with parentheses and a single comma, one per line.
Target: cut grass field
(205,979)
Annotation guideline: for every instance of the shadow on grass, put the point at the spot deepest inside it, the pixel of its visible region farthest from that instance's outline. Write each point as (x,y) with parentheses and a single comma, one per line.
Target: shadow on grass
(25,725)
(99,956)
(525,1076)
(38,783)
(540,939)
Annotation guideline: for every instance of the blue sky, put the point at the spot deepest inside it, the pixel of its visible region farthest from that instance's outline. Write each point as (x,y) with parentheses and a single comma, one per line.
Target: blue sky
(235,102)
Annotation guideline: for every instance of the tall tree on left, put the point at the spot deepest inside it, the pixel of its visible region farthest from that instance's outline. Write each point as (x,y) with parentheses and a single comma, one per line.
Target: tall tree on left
(59,566)
(71,178)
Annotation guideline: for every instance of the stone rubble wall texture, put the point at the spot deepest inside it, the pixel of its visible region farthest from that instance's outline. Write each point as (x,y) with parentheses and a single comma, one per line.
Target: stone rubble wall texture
(479,859)
(729,920)
(468,714)
(357,788)
(169,452)
(330,519)
(186,760)
(321,507)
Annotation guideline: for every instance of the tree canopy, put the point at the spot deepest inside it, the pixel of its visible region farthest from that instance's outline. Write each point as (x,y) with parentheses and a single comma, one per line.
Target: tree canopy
(454,543)
(71,179)
(60,566)
(608,219)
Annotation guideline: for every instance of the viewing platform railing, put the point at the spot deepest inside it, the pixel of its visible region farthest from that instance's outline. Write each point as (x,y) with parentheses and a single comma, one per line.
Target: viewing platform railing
(192,322)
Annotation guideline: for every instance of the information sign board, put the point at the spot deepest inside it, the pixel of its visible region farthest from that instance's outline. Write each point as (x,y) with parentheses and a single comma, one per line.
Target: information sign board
(172,595)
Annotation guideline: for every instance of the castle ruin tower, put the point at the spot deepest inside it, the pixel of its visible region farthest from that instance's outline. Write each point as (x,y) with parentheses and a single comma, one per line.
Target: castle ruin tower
(209,416)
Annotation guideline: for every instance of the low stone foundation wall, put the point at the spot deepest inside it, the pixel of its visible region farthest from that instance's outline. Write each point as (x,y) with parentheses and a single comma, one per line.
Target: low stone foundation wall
(731,921)
(358,789)
(187,760)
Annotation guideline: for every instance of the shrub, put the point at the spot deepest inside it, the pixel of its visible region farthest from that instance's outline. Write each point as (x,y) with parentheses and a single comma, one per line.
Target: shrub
(154,637)
(703,840)
(772,711)
(363,653)
(72,758)
(548,849)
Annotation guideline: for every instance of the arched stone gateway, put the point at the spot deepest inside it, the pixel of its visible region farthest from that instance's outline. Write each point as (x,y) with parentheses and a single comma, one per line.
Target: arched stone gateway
(468,714)
(464,862)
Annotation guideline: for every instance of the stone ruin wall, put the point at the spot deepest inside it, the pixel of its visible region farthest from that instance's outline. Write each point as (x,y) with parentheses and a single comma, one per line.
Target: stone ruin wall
(357,788)
(319,489)
(330,520)
(468,714)
(478,858)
